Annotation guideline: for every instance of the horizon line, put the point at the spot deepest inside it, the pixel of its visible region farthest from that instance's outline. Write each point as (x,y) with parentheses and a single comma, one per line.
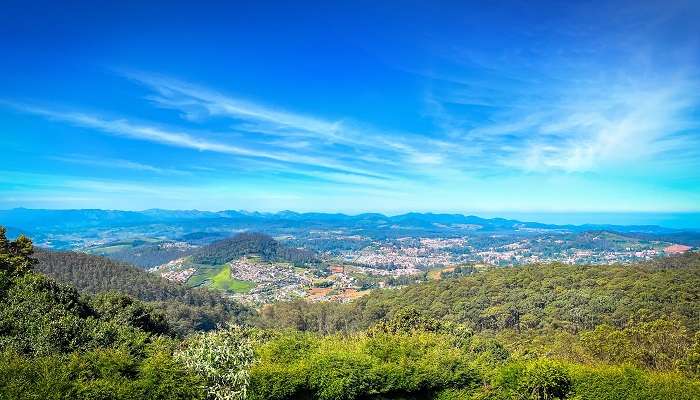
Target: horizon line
(388,214)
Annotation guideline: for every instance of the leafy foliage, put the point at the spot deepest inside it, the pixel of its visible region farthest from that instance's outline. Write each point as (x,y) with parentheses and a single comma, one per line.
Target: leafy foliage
(222,358)
(15,257)
(40,316)
(545,380)
(660,344)
(418,363)
(103,373)
(337,367)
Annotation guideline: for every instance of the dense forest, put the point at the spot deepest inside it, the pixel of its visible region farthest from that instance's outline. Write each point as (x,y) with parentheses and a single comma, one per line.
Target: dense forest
(269,249)
(559,297)
(59,343)
(187,309)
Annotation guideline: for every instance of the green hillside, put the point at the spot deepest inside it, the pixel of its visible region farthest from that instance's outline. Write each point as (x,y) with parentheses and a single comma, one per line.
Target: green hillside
(188,309)
(56,343)
(223,251)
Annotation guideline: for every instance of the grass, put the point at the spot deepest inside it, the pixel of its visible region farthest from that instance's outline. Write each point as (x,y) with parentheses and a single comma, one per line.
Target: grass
(219,277)
(202,276)
(434,274)
(223,281)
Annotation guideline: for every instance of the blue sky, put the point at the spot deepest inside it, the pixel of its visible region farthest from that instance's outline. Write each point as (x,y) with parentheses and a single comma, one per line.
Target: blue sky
(490,107)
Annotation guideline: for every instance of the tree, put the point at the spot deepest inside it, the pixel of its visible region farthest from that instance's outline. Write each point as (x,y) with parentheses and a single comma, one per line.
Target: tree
(128,311)
(15,256)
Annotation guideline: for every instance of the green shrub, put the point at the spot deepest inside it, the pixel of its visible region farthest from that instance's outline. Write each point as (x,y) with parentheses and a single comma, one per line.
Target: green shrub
(279,381)
(222,358)
(38,378)
(545,380)
(98,374)
(339,376)
(627,382)
(294,365)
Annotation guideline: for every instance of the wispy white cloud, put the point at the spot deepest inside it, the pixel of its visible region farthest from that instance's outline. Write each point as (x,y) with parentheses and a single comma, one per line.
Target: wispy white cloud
(570,127)
(332,150)
(572,132)
(592,122)
(180,138)
(607,87)
(117,163)
(627,125)
(196,102)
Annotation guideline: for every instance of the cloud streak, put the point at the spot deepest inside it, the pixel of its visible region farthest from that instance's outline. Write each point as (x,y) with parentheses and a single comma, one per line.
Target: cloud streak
(197,102)
(579,125)
(487,124)
(117,163)
(177,138)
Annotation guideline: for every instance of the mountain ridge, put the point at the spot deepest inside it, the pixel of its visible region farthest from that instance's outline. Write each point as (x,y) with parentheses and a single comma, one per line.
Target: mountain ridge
(43,219)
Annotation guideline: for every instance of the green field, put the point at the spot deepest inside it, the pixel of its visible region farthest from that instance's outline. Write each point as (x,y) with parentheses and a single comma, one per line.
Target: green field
(202,276)
(219,277)
(223,281)
(109,249)
(114,247)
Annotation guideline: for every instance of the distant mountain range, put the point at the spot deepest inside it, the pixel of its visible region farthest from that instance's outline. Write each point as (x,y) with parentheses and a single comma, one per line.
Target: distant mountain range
(43,220)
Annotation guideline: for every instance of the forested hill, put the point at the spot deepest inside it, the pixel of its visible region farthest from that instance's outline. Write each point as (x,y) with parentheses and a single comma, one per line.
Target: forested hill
(188,309)
(552,297)
(58,343)
(225,250)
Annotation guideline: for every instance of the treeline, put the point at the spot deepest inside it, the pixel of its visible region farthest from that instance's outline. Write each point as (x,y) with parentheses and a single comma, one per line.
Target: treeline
(553,297)
(266,247)
(458,271)
(187,309)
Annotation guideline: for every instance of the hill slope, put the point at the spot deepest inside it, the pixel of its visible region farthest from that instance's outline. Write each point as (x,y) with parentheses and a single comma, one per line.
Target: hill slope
(187,309)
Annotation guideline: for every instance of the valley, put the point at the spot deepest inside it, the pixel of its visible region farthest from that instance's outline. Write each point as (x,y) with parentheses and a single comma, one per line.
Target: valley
(333,257)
